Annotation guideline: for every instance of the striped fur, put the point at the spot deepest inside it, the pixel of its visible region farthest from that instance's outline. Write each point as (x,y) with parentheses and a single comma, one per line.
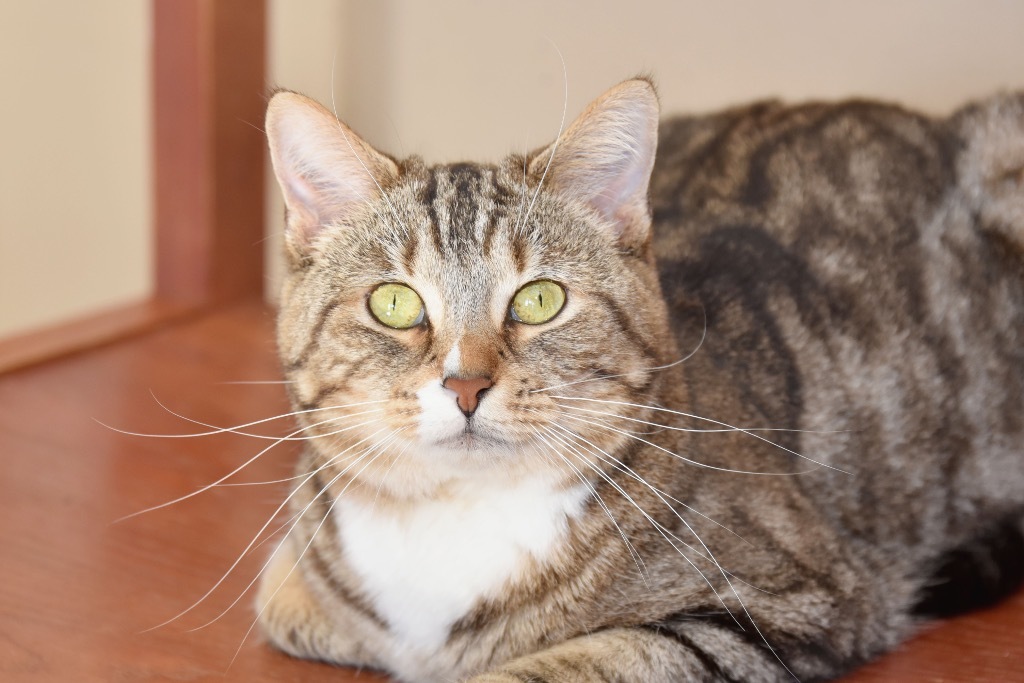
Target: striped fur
(849,275)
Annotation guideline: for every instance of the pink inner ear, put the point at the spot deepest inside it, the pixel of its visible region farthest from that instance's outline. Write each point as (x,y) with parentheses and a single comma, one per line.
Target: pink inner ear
(323,168)
(303,215)
(606,157)
(301,193)
(625,186)
(615,187)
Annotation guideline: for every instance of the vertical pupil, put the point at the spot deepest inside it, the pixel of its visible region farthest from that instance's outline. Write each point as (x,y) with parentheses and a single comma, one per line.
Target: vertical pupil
(394,301)
(540,298)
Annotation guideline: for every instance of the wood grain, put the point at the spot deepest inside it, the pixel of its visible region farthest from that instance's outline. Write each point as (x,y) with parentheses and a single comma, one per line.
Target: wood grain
(86,332)
(208,66)
(79,590)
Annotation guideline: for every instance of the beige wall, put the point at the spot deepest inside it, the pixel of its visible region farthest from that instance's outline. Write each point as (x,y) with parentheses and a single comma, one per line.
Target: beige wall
(460,78)
(453,79)
(302,40)
(74,167)
(448,79)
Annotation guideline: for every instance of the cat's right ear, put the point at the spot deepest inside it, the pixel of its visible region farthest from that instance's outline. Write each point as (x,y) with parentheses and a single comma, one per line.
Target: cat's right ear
(324,169)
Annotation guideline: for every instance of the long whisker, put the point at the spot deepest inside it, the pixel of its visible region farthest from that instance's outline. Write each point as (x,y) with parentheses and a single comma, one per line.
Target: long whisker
(359,158)
(725,575)
(603,455)
(578,440)
(384,476)
(298,514)
(721,430)
(296,476)
(685,358)
(235,429)
(312,536)
(230,474)
(629,471)
(259,533)
(680,457)
(705,419)
(378,446)
(641,566)
(707,555)
(665,533)
(558,137)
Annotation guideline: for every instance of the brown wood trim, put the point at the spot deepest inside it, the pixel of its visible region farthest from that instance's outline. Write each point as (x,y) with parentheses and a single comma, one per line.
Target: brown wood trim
(209,62)
(208,66)
(88,332)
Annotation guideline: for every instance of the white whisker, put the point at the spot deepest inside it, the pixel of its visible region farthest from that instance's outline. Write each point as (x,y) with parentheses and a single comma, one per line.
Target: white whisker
(558,137)
(384,476)
(259,533)
(635,372)
(227,476)
(680,457)
(235,429)
(260,381)
(665,533)
(732,589)
(359,158)
(268,437)
(710,555)
(625,469)
(641,566)
(705,419)
(722,430)
(305,549)
(381,445)
(622,467)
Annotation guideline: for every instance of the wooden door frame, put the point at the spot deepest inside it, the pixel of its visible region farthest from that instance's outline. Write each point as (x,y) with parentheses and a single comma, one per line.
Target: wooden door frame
(208,66)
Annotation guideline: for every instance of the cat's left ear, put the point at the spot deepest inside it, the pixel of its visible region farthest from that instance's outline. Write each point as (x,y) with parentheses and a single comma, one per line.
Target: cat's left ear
(605,159)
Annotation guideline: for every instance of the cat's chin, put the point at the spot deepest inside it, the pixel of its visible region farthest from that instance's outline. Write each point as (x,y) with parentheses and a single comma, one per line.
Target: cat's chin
(471,442)
(429,470)
(473,452)
(450,430)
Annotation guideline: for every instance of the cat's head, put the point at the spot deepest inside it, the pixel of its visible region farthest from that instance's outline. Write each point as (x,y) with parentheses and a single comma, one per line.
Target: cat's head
(434,319)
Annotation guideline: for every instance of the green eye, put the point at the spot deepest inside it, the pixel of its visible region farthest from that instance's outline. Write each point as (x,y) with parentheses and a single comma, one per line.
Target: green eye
(396,306)
(538,302)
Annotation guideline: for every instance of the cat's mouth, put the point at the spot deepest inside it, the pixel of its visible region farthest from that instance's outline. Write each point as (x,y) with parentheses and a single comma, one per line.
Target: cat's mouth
(473,437)
(469,438)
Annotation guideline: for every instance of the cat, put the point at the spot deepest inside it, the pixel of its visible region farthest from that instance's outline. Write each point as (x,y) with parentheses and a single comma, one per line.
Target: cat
(733,397)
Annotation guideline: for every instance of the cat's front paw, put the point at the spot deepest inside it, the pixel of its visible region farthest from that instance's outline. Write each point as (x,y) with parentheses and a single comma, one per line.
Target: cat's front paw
(293,621)
(288,615)
(495,677)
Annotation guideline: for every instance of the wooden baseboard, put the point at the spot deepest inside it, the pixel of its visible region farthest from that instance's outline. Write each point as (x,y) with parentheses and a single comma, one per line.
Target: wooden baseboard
(88,332)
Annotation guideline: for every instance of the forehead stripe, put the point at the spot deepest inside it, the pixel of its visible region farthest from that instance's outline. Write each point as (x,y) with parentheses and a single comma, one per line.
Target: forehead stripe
(429,200)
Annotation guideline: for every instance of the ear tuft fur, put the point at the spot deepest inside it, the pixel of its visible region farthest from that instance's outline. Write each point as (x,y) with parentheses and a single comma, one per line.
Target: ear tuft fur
(605,159)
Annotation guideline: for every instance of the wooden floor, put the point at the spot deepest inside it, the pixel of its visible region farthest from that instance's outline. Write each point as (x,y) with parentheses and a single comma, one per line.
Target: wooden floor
(79,590)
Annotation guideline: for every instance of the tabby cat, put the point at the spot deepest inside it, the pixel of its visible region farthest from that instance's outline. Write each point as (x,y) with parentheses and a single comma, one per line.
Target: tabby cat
(745,410)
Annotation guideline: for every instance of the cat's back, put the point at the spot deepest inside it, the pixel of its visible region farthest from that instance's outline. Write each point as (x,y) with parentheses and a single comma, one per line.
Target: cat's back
(859,267)
(824,173)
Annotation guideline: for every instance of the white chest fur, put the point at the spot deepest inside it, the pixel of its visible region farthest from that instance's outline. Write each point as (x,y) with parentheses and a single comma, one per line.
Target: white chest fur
(426,568)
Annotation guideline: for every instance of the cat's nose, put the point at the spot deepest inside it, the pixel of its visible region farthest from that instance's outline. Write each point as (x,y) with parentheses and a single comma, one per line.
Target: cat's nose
(468,391)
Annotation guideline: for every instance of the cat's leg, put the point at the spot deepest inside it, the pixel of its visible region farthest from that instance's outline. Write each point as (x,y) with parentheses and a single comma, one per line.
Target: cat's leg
(977,574)
(692,651)
(293,619)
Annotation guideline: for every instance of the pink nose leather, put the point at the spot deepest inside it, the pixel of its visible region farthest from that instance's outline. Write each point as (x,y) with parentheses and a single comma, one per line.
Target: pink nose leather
(468,391)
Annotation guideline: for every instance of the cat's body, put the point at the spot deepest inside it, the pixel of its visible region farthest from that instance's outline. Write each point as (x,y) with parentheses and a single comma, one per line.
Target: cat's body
(525,499)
